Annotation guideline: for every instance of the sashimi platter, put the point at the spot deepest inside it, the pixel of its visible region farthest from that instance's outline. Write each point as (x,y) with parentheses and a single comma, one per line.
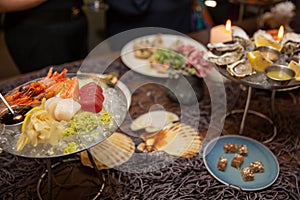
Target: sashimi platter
(62,113)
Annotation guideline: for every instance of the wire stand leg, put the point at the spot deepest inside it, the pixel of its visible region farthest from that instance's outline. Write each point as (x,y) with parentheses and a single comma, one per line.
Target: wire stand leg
(246,110)
(242,125)
(48,172)
(273,117)
(101,177)
(49,169)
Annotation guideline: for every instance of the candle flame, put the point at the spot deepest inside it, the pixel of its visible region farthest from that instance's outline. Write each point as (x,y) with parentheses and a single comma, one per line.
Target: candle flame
(228,25)
(280,32)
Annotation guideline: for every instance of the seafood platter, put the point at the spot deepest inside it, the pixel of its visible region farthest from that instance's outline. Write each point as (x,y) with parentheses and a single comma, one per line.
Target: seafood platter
(246,59)
(62,114)
(156,55)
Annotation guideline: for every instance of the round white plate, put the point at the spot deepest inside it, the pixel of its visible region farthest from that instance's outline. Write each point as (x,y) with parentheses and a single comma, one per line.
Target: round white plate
(232,176)
(142,66)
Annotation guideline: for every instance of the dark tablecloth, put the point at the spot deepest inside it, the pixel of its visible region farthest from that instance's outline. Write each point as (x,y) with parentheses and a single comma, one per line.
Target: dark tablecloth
(182,178)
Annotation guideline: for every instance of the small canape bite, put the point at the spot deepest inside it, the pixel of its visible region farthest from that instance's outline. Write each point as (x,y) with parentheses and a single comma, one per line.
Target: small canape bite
(222,163)
(247,174)
(230,148)
(237,161)
(257,167)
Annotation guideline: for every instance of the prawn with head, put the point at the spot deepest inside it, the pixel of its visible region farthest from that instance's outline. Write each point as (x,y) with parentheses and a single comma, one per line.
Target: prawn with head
(52,84)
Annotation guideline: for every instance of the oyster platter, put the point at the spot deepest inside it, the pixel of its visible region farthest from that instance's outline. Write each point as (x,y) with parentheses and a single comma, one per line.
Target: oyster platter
(62,114)
(245,59)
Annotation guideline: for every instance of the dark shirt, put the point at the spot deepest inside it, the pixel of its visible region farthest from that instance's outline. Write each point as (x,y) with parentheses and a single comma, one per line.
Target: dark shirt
(124,15)
(52,11)
(52,33)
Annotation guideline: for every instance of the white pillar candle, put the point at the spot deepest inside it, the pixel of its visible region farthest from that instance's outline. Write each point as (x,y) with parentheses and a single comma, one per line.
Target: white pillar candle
(221,33)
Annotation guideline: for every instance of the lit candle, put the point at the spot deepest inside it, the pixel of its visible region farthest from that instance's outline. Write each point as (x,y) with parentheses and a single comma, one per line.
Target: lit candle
(228,25)
(277,34)
(280,33)
(221,33)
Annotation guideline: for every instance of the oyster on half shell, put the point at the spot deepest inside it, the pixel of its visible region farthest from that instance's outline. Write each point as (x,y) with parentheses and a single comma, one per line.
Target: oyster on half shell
(226,58)
(290,42)
(240,36)
(240,68)
(224,47)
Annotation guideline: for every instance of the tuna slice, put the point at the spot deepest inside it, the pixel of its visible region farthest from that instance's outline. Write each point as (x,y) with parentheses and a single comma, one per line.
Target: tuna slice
(91,97)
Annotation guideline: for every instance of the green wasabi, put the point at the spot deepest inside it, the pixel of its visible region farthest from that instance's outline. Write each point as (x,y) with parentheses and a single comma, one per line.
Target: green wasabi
(72,147)
(81,123)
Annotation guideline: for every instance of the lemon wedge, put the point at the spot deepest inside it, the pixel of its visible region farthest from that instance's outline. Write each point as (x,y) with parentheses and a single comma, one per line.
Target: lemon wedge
(258,61)
(28,115)
(261,40)
(296,67)
(30,112)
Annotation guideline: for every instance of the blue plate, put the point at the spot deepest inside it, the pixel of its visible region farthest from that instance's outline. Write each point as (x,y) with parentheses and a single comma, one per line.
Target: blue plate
(231,176)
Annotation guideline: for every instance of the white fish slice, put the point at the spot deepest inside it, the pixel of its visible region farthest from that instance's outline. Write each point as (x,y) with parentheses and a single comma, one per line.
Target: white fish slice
(65,109)
(114,151)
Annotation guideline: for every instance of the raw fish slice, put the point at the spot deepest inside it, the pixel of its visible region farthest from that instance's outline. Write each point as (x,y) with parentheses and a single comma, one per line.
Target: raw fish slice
(51,104)
(114,151)
(66,109)
(91,97)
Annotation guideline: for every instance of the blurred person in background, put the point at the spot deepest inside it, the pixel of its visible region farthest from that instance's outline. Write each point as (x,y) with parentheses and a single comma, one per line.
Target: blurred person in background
(40,33)
(176,15)
(129,14)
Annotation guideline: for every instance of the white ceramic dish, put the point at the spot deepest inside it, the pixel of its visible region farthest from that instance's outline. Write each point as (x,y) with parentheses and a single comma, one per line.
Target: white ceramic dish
(231,176)
(142,66)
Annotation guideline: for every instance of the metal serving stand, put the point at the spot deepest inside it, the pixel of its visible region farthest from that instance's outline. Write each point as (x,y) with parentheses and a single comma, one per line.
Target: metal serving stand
(48,174)
(258,81)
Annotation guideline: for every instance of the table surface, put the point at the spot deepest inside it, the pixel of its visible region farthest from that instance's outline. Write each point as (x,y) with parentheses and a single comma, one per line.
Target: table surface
(183,178)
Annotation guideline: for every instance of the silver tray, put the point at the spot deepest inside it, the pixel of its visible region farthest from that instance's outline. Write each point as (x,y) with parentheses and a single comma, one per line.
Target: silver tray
(258,80)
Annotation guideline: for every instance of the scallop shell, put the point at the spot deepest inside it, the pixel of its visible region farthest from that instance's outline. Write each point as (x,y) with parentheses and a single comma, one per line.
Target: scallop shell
(114,151)
(178,140)
(153,121)
(240,68)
